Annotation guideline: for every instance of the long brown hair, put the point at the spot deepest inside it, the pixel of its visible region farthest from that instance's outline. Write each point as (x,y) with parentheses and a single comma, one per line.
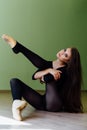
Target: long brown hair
(72,86)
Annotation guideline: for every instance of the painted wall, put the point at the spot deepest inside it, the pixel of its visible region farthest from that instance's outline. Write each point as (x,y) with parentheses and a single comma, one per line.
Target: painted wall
(44,26)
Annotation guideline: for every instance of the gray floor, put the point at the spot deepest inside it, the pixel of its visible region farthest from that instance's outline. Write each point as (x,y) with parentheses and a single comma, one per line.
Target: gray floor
(38,120)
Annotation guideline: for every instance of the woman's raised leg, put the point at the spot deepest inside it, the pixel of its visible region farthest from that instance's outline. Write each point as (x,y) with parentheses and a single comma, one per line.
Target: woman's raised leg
(36,60)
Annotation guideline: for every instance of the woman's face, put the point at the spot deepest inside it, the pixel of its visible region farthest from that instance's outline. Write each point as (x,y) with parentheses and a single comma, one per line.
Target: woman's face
(64,55)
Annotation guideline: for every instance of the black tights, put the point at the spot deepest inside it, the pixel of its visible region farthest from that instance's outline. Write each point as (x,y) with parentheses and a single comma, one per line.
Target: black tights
(20,89)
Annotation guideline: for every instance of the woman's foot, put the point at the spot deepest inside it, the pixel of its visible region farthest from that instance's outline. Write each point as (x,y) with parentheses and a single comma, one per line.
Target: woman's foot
(17,107)
(9,40)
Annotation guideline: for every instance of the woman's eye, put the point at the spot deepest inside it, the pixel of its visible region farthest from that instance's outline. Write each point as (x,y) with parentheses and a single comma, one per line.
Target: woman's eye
(64,50)
(66,55)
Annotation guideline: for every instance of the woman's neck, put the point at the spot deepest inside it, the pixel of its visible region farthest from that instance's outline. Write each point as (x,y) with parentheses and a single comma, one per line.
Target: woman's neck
(57,63)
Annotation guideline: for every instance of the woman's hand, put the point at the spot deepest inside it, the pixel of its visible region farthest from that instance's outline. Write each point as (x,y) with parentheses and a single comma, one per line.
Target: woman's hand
(56,73)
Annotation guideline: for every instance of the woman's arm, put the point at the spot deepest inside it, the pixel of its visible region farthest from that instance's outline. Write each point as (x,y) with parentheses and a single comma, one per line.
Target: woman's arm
(56,73)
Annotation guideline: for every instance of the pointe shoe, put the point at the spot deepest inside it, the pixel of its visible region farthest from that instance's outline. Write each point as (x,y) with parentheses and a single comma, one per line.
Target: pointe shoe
(17,107)
(9,40)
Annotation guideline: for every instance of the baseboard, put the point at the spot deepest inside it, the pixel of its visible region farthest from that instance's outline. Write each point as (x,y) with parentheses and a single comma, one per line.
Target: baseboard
(8,91)
(5,91)
(41,91)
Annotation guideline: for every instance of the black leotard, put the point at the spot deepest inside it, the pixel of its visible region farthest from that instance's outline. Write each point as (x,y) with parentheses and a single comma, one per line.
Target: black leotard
(52,99)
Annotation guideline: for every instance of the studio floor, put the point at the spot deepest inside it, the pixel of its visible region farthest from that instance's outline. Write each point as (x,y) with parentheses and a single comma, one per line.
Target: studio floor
(40,120)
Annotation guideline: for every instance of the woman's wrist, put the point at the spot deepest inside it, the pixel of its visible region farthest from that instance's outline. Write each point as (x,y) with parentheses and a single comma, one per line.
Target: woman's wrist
(49,70)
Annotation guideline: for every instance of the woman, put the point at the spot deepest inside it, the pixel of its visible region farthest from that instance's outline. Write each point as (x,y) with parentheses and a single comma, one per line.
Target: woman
(62,78)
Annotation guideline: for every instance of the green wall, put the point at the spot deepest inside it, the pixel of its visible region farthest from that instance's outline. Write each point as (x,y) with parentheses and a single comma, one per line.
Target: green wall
(44,26)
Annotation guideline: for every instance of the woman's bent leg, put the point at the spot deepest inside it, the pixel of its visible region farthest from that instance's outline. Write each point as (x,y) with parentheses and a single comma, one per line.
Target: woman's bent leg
(20,89)
(53,100)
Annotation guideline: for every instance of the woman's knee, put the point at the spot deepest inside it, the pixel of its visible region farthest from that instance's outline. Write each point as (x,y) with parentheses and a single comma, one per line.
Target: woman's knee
(14,81)
(54,107)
